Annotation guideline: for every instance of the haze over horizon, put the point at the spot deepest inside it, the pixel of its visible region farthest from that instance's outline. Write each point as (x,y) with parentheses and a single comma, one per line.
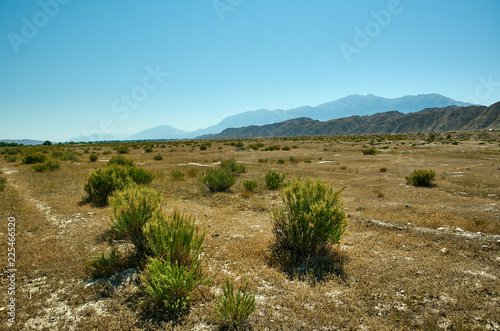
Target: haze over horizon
(70,68)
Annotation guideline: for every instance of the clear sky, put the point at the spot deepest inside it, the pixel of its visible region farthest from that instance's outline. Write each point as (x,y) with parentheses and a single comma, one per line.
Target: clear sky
(72,67)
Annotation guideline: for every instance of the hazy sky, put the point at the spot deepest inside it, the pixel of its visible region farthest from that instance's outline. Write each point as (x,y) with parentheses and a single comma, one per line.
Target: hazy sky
(73,67)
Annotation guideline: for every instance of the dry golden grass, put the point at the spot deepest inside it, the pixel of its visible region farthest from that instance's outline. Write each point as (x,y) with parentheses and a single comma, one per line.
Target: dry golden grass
(414,271)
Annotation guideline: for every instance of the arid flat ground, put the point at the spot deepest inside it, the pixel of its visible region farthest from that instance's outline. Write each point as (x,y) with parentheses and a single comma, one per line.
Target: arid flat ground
(413,258)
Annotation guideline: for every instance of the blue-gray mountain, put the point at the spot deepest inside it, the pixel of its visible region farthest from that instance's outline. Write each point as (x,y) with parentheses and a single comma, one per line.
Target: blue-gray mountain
(451,118)
(348,106)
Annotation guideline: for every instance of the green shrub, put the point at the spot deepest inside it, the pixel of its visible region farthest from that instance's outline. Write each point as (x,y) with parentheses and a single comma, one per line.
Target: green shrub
(369,151)
(175,239)
(177,174)
(421,177)
(175,270)
(3,180)
(10,158)
(69,156)
(93,157)
(256,146)
(158,157)
(274,180)
(34,158)
(170,286)
(103,182)
(122,149)
(273,148)
(285,148)
(121,160)
(218,180)
(48,165)
(131,209)
(232,166)
(106,153)
(281,161)
(312,216)
(203,147)
(250,185)
(56,154)
(234,308)
(293,159)
(148,150)
(140,176)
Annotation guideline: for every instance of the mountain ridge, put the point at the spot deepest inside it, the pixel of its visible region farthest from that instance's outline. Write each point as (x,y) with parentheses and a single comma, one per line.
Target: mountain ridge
(451,118)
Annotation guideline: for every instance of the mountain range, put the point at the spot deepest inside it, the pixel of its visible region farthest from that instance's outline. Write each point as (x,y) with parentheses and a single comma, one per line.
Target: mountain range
(451,118)
(351,105)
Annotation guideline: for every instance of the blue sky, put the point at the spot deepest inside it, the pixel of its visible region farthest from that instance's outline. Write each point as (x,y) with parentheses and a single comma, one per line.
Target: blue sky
(72,67)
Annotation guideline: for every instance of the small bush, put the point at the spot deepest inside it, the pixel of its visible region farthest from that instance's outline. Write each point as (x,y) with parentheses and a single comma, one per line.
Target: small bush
(106,153)
(176,174)
(312,216)
(422,178)
(203,147)
(57,154)
(383,169)
(250,185)
(93,157)
(281,161)
(3,180)
(218,180)
(49,165)
(121,160)
(106,264)
(34,158)
(131,209)
(273,148)
(175,239)
(122,149)
(234,308)
(102,183)
(148,150)
(369,151)
(10,158)
(274,180)
(293,159)
(158,157)
(285,148)
(232,166)
(140,176)
(170,286)
(69,156)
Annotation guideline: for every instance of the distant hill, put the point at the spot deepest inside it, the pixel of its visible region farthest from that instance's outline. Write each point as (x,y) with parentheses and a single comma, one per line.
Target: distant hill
(451,118)
(351,105)
(23,141)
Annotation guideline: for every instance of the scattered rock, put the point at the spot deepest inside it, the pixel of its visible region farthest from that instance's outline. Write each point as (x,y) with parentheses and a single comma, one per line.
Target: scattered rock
(459,230)
(444,250)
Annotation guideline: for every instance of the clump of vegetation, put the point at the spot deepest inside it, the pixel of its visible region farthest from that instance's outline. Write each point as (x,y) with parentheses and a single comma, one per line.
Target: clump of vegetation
(140,176)
(56,154)
(421,177)
(10,158)
(218,180)
(69,156)
(293,159)
(131,209)
(273,148)
(203,147)
(107,264)
(235,307)
(3,180)
(177,174)
(369,151)
(250,185)
(48,165)
(311,219)
(274,180)
(174,271)
(122,149)
(256,146)
(383,169)
(281,161)
(192,172)
(34,158)
(148,150)
(93,157)
(232,166)
(120,160)
(158,157)
(285,148)
(102,183)
(106,153)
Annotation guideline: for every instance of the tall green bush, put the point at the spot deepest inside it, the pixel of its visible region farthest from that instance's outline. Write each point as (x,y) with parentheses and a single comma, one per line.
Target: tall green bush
(34,158)
(132,208)
(233,166)
(103,182)
(235,307)
(274,180)
(312,216)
